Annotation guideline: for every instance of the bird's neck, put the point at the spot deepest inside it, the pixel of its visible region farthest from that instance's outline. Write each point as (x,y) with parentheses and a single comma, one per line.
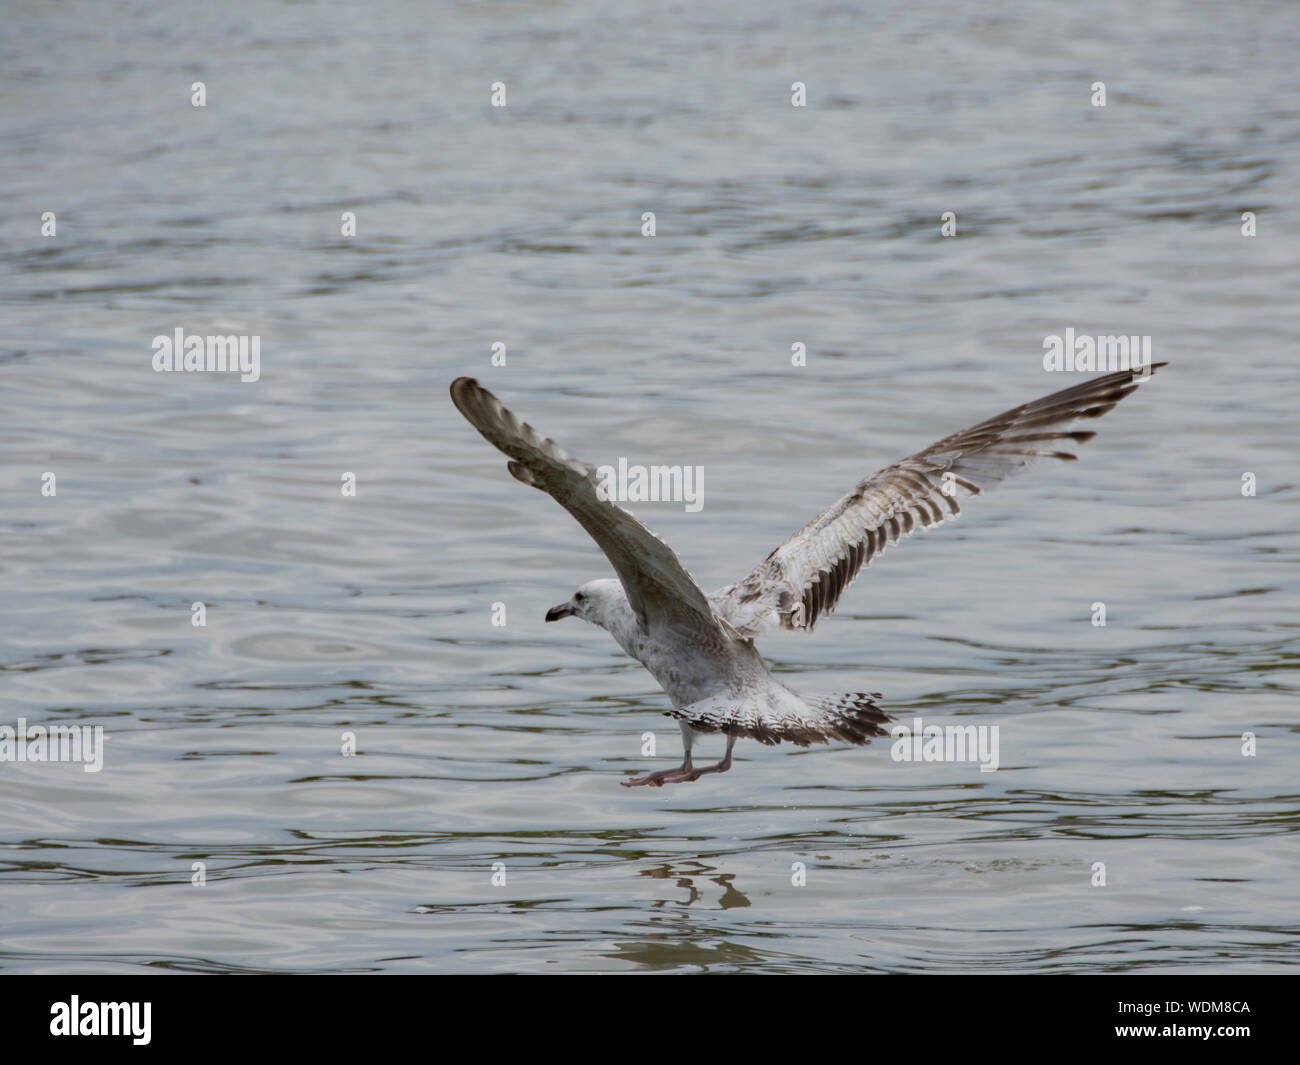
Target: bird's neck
(620,622)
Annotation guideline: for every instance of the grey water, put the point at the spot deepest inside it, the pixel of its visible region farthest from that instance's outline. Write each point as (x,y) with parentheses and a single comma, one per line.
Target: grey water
(480,825)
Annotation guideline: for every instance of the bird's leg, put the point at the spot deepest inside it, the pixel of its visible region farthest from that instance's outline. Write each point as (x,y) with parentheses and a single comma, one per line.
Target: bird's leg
(717,767)
(668,776)
(684,773)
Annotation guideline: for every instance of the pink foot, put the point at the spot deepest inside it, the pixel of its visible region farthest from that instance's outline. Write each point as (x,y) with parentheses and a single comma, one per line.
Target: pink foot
(661,777)
(681,775)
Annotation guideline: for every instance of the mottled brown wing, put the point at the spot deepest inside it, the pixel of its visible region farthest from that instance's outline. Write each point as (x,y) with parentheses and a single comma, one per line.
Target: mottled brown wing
(657,585)
(803,578)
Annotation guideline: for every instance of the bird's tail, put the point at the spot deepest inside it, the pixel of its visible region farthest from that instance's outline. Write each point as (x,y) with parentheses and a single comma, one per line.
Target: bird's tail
(775,714)
(852,717)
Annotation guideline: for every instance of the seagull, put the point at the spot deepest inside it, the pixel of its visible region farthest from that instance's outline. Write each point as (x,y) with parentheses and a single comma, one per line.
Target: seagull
(700,648)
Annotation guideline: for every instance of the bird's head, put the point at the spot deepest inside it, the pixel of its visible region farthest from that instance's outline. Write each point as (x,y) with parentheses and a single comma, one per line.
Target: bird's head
(595,601)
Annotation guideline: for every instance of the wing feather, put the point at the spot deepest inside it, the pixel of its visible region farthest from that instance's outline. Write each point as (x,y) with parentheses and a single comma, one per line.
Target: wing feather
(657,585)
(803,578)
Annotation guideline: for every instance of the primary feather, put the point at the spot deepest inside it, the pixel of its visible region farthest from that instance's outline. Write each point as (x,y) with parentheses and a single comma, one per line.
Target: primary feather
(804,578)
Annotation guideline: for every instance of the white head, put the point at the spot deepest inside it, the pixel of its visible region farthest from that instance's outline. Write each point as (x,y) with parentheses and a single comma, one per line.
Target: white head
(599,602)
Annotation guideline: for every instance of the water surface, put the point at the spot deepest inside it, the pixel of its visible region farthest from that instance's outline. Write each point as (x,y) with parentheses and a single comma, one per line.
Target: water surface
(776,225)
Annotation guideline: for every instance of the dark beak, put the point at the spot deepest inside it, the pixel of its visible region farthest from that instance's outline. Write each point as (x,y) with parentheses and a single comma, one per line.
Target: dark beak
(564,610)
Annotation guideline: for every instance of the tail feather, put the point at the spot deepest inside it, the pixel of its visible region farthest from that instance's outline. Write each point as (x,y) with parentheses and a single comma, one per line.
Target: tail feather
(778,715)
(852,717)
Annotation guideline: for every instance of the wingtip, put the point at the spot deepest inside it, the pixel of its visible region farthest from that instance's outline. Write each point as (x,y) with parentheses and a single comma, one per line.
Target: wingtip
(465,392)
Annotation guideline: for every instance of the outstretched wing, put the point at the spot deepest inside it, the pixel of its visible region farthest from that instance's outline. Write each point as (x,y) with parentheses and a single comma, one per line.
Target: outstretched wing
(657,586)
(804,577)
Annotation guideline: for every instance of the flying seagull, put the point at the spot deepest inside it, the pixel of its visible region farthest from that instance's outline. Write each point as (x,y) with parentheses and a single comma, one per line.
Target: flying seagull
(700,648)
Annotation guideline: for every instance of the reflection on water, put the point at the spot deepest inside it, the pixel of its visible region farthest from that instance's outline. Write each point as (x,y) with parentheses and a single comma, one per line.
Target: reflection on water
(480,826)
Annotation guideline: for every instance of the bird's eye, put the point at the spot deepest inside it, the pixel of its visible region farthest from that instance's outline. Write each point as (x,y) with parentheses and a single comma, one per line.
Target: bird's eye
(579,596)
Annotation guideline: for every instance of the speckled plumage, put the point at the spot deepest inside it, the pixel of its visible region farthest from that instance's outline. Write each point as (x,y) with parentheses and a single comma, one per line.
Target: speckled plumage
(700,647)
